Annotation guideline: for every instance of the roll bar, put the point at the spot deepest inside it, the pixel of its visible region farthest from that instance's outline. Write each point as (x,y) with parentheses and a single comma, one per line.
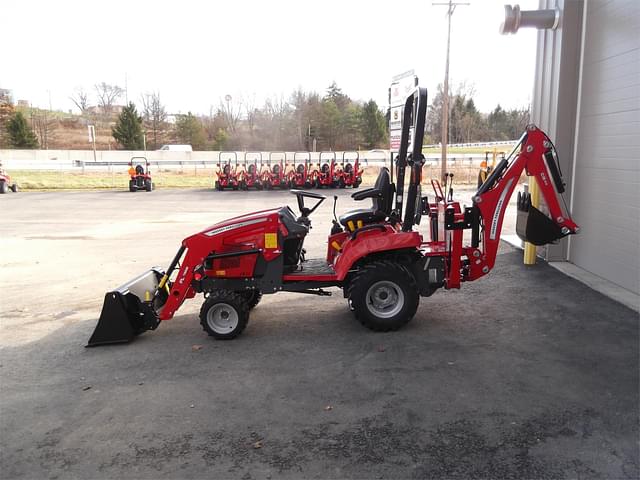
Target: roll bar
(320,157)
(415,109)
(253,153)
(235,156)
(284,159)
(355,159)
(306,160)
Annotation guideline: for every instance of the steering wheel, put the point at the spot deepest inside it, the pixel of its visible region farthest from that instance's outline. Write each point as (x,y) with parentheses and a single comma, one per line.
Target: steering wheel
(306,211)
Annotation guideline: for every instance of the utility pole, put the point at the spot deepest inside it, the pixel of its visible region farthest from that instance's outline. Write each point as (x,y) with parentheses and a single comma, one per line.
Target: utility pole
(445,105)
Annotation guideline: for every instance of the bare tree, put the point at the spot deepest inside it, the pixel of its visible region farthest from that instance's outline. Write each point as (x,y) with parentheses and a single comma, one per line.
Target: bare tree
(251,111)
(155,116)
(232,110)
(107,96)
(44,126)
(80,98)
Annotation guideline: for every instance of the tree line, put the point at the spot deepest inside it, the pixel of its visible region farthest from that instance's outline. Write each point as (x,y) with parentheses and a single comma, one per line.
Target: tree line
(467,124)
(301,121)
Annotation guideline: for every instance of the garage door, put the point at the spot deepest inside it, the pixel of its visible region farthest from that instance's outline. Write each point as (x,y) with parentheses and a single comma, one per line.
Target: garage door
(606,202)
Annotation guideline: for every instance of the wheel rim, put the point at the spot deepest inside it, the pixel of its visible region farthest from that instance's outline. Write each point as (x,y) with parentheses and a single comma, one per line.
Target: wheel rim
(384,299)
(222,318)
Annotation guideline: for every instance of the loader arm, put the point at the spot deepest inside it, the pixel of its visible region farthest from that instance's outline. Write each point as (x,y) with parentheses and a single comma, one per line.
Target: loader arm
(534,154)
(180,288)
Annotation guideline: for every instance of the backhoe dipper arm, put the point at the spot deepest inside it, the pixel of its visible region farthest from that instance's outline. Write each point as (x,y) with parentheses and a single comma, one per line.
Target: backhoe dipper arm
(536,156)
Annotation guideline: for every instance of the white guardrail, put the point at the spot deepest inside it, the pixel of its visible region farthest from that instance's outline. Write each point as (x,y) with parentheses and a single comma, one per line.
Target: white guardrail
(108,160)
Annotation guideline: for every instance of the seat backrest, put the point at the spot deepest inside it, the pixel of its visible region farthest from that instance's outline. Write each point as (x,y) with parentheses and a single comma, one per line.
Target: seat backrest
(383,183)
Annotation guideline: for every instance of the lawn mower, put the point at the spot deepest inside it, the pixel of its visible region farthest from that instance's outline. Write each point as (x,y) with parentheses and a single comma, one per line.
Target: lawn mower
(274,176)
(5,182)
(139,175)
(251,174)
(326,176)
(299,175)
(375,255)
(351,173)
(227,173)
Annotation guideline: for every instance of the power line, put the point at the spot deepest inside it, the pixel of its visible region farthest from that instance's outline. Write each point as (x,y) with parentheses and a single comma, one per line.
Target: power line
(445,106)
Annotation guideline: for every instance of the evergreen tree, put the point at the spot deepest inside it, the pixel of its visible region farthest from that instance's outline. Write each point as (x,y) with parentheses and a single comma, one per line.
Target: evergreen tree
(20,134)
(128,129)
(373,125)
(189,130)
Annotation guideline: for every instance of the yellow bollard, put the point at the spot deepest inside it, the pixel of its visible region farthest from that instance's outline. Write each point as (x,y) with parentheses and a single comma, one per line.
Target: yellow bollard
(529,248)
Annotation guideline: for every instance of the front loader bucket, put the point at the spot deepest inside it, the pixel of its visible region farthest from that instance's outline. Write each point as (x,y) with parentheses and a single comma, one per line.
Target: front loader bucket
(130,310)
(533,226)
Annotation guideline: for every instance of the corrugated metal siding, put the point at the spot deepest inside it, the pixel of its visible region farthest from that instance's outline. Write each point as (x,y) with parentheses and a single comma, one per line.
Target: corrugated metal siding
(606,200)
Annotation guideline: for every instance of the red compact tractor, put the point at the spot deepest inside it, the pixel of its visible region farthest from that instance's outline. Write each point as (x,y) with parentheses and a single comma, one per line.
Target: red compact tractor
(327,175)
(139,175)
(351,173)
(274,176)
(376,255)
(250,177)
(299,176)
(227,173)
(6,183)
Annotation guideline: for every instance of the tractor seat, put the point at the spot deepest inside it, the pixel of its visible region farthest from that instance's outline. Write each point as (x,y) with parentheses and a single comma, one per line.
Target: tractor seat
(139,170)
(381,196)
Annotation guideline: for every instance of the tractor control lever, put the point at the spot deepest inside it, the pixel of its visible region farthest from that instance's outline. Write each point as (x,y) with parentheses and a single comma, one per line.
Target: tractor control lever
(336,228)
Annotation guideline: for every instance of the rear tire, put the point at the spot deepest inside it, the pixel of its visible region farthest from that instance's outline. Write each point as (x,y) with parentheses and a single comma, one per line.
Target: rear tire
(148,186)
(217,186)
(224,314)
(383,295)
(3,187)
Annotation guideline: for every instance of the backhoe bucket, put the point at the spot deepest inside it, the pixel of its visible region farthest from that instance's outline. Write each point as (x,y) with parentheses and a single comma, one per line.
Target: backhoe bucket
(533,226)
(129,310)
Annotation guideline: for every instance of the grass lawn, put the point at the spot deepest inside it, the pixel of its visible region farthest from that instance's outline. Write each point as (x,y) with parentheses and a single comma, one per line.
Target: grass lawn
(51,180)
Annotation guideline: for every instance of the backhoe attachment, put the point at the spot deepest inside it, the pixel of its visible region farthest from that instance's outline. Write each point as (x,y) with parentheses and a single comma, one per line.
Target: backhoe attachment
(535,227)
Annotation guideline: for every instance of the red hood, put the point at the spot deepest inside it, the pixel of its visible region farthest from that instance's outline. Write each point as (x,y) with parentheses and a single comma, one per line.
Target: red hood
(242,218)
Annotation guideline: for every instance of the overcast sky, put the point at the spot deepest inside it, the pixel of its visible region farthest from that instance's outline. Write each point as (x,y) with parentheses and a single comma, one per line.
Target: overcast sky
(195,52)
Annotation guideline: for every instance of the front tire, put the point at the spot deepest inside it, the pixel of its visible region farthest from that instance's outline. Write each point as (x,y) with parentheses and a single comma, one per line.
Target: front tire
(252,297)
(14,188)
(383,295)
(224,314)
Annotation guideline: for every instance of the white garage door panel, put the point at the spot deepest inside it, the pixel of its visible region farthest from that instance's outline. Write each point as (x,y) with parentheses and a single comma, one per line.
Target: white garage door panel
(606,200)
(620,123)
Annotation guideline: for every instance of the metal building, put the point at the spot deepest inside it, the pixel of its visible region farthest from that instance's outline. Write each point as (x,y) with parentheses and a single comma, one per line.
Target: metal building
(587,97)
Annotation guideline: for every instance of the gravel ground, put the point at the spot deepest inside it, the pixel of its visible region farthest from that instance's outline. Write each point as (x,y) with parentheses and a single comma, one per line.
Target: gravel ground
(523,374)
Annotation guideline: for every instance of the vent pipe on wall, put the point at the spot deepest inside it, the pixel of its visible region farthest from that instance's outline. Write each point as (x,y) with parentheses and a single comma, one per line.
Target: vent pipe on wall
(514,19)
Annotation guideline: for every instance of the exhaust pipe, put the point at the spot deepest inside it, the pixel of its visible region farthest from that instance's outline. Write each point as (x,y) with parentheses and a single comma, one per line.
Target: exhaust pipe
(514,19)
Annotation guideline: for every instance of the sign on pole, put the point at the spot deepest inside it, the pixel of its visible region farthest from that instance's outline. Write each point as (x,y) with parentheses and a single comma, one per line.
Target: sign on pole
(402,86)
